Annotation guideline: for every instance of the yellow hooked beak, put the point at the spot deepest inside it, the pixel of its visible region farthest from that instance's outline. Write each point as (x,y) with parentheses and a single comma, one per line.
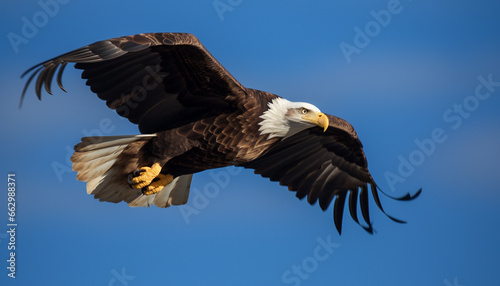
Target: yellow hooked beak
(319,119)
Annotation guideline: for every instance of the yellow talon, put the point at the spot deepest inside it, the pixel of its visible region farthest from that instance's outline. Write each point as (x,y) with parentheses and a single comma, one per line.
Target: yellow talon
(157,185)
(146,177)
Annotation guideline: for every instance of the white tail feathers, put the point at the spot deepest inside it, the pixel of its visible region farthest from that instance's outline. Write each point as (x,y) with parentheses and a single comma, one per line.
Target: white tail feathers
(98,162)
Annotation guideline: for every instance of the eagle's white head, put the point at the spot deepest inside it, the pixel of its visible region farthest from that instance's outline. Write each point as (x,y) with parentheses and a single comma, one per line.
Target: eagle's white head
(284,118)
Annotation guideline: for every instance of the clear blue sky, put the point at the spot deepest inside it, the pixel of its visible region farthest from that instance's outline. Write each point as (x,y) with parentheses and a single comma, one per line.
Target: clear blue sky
(418,81)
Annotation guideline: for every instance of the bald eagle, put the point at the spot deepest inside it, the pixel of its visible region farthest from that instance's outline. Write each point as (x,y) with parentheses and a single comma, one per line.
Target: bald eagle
(193,115)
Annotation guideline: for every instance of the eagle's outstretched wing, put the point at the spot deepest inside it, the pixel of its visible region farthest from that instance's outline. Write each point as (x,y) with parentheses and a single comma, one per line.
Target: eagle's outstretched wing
(323,165)
(156,80)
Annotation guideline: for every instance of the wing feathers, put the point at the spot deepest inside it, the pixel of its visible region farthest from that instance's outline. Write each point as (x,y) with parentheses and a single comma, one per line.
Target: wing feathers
(319,184)
(363,200)
(59,76)
(338,211)
(294,176)
(322,166)
(135,73)
(28,83)
(353,204)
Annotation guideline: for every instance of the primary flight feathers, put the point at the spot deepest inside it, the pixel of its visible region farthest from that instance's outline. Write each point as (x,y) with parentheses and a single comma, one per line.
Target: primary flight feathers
(194,115)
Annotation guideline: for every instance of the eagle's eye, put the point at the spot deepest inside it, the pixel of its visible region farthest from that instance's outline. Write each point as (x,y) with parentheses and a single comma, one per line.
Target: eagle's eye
(304,110)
